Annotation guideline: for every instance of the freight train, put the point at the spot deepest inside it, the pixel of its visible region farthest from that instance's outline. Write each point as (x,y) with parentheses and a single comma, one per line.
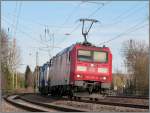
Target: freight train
(82,67)
(78,68)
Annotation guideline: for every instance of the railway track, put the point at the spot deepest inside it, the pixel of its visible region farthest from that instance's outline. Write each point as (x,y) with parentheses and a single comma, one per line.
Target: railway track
(37,106)
(111,101)
(132,97)
(86,104)
(13,100)
(124,101)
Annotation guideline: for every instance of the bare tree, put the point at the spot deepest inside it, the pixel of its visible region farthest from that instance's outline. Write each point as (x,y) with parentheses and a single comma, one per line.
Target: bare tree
(136,59)
(4,51)
(4,47)
(10,59)
(119,81)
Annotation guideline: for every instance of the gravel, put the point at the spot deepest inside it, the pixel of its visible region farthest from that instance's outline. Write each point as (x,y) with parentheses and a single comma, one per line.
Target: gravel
(99,107)
(6,107)
(81,105)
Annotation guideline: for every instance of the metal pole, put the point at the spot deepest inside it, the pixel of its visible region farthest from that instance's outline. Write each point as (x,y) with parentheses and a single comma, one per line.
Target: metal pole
(0,77)
(53,42)
(13,57)
(36,58)
(35,77)
(16,79)
(13,78)
(0,84)
(0,71)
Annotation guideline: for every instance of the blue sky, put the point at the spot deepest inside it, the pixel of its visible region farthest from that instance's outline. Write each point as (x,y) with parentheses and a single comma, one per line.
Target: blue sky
(115,17)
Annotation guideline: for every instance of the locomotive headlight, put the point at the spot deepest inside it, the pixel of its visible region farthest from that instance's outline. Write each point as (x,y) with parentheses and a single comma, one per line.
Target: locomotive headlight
(81,68)
(103,70)
(104,78)
(79,76)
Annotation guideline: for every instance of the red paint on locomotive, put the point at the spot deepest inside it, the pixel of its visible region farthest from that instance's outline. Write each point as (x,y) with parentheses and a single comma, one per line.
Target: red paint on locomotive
(90,70)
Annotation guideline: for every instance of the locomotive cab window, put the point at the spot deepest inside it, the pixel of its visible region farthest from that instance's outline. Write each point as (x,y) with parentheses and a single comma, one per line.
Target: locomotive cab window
(100,56)
(84,55)
(94,56)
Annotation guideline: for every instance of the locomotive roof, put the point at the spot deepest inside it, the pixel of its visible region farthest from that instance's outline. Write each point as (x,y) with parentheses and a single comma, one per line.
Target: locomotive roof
(65,50)
(70,48)
(81,44)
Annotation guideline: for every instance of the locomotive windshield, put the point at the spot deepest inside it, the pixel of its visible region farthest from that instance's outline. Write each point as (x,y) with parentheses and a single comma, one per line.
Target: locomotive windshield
(84,55)
(94,56)
(100,56)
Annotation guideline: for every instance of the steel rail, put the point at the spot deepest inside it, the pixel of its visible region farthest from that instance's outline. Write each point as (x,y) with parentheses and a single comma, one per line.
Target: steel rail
(57,107)
(117,104)
(100,101)
(27,108)
(132,97)
(89,100)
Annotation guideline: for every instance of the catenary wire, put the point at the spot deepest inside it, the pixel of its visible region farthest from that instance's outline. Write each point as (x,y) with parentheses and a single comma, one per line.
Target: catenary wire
(94,12)
(17,19)
(131,29)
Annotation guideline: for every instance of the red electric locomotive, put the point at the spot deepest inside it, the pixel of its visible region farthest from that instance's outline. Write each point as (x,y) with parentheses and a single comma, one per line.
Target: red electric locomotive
(80,67)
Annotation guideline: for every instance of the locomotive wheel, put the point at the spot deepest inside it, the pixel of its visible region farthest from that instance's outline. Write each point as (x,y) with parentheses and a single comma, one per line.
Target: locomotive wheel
(75,97)
(71,94)
(96,99)
(90,89)
(91,98)
(52,93)
(60,92)
(79,98)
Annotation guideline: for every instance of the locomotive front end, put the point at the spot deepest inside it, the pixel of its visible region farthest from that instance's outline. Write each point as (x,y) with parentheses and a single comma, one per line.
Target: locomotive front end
(93,67)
